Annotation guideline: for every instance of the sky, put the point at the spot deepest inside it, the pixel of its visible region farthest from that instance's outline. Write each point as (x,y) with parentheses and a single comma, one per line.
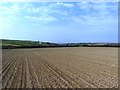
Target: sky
(59,22)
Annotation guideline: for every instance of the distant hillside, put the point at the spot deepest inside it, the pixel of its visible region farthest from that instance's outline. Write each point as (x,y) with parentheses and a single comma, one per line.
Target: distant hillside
(5,43)
(8,44)
(18,43)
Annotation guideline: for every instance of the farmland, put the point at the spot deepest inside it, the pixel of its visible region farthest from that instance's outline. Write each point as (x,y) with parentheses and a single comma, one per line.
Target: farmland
(73,67)
(13,44)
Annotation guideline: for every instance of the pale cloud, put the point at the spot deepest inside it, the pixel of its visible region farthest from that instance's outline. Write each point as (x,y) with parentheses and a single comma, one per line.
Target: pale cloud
(68,5)
(42,19)
(97,13)
(94,20)
(15,12)
(49,9)
(63,12)
(12,9)
(34,10)
(97,6)
(45,13)
(40,10)
(84,5)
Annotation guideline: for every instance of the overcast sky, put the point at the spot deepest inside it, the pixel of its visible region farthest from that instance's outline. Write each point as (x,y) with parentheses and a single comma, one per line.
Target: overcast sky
(60,22)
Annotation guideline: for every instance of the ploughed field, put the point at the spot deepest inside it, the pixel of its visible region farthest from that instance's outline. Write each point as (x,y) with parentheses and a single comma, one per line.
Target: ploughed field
(79,67)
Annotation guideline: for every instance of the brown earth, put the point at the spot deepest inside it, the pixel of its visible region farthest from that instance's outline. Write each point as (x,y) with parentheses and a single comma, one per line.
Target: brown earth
(79,67)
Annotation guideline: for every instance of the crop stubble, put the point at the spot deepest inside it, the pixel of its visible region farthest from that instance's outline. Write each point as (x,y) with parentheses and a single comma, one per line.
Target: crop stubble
(82,67)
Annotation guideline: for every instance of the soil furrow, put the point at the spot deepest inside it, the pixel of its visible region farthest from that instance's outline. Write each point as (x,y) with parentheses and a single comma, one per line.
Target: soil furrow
(9,76)
(28,81)
(60,68)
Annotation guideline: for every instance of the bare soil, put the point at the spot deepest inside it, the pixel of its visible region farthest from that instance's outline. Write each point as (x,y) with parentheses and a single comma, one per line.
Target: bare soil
(79,67)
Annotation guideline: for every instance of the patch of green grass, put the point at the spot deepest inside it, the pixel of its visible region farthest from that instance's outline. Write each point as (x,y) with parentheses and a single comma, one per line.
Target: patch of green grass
(18,43)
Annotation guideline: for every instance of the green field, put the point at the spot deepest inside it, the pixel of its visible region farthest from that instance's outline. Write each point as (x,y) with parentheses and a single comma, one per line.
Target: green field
(18,43)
